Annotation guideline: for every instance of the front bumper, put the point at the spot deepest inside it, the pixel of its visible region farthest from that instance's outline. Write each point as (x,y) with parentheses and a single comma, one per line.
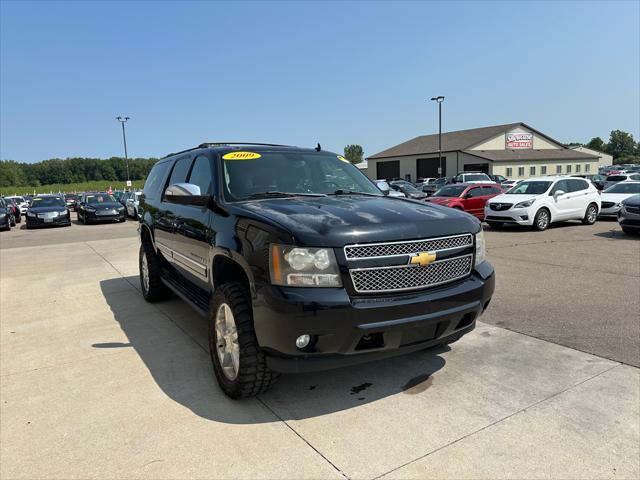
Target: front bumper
(349,331)
(93,217)
(519,216)
(629,219)
(609,212)
(55,221)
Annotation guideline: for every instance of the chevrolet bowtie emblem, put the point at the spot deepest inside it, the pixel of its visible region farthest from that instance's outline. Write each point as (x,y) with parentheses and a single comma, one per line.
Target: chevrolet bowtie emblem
(423,259)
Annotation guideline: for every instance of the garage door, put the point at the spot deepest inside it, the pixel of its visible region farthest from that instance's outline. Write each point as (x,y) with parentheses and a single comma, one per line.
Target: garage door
(428,167)
(388,170)
(477,167)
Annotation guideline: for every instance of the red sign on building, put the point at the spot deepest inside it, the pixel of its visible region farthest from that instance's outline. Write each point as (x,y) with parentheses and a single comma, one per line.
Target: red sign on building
(519,141)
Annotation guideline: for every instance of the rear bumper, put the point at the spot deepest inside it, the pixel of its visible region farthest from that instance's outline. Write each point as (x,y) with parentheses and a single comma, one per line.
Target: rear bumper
(348,331)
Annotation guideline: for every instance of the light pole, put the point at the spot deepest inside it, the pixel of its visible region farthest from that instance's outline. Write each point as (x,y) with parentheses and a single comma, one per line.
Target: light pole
(122,121)
(438,99)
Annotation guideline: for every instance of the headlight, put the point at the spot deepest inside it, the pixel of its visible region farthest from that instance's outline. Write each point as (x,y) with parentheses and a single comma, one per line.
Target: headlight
(31,214)
(481,253)
(303,267)
(63,214)
(526,204)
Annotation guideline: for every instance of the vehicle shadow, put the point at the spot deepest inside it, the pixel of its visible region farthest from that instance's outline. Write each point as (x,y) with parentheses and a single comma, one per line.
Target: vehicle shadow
(514,228)
(171,340)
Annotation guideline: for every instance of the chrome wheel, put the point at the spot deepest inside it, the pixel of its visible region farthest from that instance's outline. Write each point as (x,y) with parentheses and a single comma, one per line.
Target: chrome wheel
(227,346)
(144,270)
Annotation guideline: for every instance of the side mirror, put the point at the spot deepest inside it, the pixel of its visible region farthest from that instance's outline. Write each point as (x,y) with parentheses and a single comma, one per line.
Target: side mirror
(383,187)
(185,194)
(558,193)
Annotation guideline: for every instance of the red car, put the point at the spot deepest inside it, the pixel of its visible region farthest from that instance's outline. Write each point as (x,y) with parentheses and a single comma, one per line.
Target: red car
(469,197)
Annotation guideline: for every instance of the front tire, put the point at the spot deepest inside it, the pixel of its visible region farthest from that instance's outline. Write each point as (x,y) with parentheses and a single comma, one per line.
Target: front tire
(542,219)
(591,215)
(153,289)
(238,362)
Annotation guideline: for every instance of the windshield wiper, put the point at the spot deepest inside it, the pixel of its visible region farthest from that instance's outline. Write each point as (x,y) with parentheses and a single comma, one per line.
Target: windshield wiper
(277,194)
(353,192)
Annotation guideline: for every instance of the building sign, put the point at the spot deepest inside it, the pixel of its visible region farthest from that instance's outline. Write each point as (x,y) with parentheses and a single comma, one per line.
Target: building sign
(519,140)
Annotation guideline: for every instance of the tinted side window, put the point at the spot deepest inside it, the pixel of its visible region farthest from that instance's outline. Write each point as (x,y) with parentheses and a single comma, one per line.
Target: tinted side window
(201,175)
(155,180)
(490,190)
(180,171)
(474,192)
(576,185)
(561,185)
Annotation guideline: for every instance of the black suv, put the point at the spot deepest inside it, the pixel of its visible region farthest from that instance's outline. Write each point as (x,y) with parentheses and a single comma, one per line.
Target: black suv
(300,263)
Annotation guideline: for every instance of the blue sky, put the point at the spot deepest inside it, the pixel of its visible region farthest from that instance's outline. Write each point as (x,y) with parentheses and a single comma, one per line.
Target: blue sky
(301,73)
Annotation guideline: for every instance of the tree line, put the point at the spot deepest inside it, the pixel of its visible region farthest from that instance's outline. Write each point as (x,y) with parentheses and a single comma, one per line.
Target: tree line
(621,146)
(72,170)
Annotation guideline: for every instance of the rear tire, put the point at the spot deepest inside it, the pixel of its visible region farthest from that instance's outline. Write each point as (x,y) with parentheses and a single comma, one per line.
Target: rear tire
(496,225)
(153,290)
(542,219)
(239,364)
(591,215)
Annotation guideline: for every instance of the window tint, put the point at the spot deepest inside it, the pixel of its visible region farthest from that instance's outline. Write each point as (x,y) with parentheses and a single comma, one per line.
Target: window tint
(576,185)
(490,190)
(474,192)
(561,185)
(201,175)
(180,171)
(155,182)
(634,177)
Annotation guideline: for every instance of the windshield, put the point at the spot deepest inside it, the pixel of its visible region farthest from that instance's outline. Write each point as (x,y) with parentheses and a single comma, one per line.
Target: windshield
(616,178)
(405,187)
(530,188)
(48,202)
(100,198)
(450,191)
(297,173)
(624,187)
(481,177)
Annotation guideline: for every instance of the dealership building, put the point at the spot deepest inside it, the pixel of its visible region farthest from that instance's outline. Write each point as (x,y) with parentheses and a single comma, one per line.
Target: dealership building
(515,151)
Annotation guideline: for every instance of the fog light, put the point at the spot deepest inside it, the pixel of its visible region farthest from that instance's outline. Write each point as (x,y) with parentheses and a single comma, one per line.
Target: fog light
(302,341)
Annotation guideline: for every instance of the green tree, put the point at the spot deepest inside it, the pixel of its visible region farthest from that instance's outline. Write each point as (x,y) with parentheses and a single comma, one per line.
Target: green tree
(621,143)
(354,153)
(597,143)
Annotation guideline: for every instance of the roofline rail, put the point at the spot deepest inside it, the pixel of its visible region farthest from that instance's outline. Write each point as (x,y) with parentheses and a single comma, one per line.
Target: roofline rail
(218,144)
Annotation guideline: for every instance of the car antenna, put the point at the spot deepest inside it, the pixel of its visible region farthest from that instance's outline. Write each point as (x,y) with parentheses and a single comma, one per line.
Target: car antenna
(318,148)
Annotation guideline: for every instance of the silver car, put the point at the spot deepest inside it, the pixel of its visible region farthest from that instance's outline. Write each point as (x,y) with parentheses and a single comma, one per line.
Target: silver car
(132,204)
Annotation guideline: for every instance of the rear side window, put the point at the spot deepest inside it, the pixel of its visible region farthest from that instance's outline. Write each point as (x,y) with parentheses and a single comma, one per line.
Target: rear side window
(474,192)
(634,177)
(180,171)
(490,190)
(155,180)
(201,175)
(576,185)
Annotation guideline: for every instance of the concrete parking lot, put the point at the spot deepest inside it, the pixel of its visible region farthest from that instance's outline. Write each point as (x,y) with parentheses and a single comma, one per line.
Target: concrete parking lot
(97,383)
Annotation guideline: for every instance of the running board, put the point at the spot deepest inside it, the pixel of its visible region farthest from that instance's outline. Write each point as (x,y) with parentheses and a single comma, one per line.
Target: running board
(197,298)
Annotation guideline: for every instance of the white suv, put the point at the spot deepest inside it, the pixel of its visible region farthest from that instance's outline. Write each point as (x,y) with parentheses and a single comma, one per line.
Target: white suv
(473,177)
(540,201)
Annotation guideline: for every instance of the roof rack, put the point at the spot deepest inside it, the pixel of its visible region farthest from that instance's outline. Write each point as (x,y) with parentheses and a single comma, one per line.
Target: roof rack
(217,144)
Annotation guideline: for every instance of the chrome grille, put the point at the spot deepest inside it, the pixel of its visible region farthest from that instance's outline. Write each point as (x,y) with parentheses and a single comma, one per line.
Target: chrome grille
(500,207)
(410,277)
(632,209)
(374,250)
(48,215)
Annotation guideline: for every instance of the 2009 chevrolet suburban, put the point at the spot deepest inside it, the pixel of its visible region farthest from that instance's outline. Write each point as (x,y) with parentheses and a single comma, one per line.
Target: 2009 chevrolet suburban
(300,263)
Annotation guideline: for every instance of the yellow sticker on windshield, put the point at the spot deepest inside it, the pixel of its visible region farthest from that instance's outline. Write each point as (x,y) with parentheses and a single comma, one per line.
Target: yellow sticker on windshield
(340,157)
(241,156)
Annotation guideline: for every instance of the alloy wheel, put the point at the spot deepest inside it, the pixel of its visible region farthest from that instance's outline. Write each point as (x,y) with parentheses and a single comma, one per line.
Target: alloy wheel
(543,220)
(144,269)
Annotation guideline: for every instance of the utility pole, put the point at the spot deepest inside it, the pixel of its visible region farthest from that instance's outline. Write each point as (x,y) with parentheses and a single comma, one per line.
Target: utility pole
(122,121)
(439,99)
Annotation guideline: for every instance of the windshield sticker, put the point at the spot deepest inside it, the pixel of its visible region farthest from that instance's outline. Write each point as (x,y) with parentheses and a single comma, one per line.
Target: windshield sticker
(340,157)
(241,156)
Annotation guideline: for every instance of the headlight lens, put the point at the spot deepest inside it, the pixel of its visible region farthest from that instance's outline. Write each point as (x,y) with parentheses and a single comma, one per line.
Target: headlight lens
(30,214)
(303,267)
(526,204)
(481,253)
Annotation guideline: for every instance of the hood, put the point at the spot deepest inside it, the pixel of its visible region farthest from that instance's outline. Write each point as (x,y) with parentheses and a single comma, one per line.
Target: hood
(441,200)
(48,209)
(634,200)
(336,221)
(616,197)
(511,198)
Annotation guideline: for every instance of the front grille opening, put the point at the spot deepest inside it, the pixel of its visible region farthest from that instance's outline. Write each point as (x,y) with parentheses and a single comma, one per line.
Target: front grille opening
(372,340)
(466,320)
